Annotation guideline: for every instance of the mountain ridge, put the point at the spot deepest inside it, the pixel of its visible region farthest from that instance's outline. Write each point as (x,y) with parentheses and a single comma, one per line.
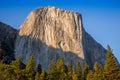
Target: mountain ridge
(7,39)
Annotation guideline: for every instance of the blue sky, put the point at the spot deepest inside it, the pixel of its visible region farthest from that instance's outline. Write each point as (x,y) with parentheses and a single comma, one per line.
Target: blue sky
(101,18)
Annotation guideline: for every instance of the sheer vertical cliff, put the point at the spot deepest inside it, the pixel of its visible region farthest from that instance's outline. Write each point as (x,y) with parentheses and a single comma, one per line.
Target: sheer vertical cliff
(49,33)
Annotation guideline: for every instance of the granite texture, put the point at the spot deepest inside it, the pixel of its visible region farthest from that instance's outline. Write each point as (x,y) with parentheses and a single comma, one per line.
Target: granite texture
(49,33)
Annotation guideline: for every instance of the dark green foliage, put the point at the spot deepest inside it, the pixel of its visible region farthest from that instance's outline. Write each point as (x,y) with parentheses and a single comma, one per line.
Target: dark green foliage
(98,72)
(52,70)
(11,71)
(60,65)
(70,70)
(90,75)
(8,71)
(85,71)
(78,70)
(75,77)
(17,63)
(39,69)
(43,75)
(66,69)
(98,68)
(37,76)
(119,75)
(111,69)
(30,68)
(52,67)
(61,69)
(2,70)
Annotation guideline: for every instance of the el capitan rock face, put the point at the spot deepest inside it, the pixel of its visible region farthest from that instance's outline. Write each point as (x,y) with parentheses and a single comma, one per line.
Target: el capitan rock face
(49,33)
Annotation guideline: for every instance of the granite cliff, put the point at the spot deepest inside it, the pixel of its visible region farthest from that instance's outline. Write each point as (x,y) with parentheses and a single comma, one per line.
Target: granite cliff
(49,33)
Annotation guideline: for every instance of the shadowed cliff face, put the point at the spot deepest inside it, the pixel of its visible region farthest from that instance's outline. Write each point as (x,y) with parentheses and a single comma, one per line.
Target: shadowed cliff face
(7,39)
(43,53)
(93,51)
(50,32)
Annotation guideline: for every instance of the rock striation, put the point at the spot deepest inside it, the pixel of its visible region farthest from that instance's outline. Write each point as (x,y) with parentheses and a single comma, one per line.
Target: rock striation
(7,40)
(49,33)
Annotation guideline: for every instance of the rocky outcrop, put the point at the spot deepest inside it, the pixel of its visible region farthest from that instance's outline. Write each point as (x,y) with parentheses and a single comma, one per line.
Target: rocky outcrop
(7,39)
(49,33)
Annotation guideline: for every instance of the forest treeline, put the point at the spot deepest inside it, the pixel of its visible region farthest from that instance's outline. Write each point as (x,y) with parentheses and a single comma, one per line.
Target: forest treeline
(57,70)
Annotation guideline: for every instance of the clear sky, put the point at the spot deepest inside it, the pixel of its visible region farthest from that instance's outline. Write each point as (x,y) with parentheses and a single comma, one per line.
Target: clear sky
(101,18)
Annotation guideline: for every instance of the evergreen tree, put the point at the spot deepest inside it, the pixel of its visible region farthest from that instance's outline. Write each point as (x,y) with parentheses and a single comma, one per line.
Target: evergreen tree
(90,75)
(98,71)
(111,67)
(5,72)
(52,66)
(119,75)
(9,73)
(85,71)
(37,76)
(3,68)
(70,70)
(23,75)
(60,65)
(61,69)
(30,68)
(39,69)
(52,71)
(17,63)
(78,71)
(43,75)
(66,69)
(75,77)
(17,67)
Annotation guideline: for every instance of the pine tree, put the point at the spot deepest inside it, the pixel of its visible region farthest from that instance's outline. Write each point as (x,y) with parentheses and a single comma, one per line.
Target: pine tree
(70,70)
(119,75)
(90,75)
(60,65)
(43,75)
(23,75)
(37,76)
(30,68)
(9,73)
(3,71)
(75,77)
(39,69)
(52,66)
(16,65)
(98,71)
(61,69)
(78,71)
(85,71)
(66,69)
(111,67)
(52,71)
